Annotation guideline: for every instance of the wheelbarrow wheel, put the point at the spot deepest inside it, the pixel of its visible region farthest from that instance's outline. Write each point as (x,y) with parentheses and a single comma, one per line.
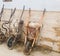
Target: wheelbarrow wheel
(2,38)
(27,47)
(11,43)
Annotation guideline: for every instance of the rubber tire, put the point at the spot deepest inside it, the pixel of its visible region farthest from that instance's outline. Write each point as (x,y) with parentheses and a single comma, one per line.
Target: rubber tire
(10,43)
(28,46)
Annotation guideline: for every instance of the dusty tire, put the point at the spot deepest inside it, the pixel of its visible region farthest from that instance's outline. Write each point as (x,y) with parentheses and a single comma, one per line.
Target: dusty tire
(11,43)
(27,47)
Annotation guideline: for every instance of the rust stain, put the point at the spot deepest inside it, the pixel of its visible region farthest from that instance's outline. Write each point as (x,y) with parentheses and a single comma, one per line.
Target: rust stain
(57,31)
(58,46)
(46,47)
(49,39)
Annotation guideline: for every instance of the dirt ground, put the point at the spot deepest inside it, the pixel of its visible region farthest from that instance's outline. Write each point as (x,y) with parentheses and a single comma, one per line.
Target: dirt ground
(18,51)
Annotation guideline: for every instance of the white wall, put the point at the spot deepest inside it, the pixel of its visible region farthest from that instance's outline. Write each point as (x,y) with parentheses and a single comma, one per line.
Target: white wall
(52,5)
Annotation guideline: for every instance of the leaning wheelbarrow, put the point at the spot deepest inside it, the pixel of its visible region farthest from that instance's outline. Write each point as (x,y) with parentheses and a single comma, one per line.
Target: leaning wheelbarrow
(8,30)
(12,40)
(2,36)
(32,33)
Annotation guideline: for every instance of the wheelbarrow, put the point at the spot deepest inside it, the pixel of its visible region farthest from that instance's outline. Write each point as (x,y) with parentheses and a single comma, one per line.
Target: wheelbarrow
(13,40)
(32,33)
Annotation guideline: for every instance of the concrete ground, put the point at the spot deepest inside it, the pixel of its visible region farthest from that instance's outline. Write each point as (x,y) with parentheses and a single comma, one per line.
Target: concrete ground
(18,51)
